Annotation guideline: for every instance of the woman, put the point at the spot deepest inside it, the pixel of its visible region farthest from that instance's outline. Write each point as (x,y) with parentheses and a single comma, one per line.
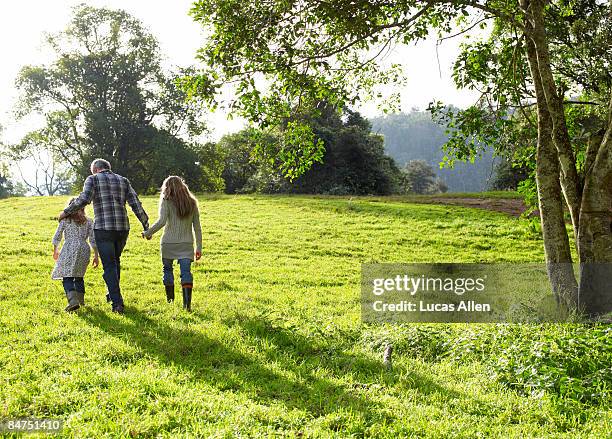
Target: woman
(179,213)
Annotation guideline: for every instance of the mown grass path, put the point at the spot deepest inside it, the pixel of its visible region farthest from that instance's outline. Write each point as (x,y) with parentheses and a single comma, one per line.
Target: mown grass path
(274,345)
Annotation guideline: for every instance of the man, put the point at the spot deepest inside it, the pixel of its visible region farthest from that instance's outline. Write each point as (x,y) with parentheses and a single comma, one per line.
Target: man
(109,193)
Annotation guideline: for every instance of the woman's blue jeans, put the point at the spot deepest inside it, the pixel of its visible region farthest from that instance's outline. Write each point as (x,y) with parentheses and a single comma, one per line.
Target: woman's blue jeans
(186,276)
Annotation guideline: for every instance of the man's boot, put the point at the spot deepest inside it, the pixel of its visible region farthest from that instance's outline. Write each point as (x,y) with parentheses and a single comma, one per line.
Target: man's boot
(73,301)
(187,298)
(170,293)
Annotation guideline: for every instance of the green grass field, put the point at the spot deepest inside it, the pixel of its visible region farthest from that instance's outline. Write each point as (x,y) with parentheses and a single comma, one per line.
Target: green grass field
(275,346)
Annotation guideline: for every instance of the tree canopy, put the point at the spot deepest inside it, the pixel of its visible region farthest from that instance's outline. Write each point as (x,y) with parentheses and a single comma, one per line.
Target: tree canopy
(106,95)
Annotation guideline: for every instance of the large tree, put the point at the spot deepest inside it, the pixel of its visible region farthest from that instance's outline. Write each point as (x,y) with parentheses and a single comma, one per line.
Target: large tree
(561,48)
(282,55)
(589,200)
(106,95)
(354,161)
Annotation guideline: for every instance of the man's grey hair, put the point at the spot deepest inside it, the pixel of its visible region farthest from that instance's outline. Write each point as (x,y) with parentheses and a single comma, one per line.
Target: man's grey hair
(100,164)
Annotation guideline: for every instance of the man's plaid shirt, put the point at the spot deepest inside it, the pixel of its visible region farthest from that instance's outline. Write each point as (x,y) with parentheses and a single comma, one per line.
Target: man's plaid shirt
(109,193)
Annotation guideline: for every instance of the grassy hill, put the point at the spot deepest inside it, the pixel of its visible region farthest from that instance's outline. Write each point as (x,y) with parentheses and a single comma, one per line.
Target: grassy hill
(275,345)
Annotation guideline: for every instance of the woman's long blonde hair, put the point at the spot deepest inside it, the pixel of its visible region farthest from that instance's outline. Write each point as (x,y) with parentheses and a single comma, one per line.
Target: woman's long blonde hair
(175,190)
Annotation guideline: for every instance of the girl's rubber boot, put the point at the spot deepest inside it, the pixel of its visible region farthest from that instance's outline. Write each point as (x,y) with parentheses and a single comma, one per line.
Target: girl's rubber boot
(170,293)
(73,301)
(187,299)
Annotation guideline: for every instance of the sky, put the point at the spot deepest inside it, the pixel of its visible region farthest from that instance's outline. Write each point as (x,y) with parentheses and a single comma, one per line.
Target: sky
(23,23)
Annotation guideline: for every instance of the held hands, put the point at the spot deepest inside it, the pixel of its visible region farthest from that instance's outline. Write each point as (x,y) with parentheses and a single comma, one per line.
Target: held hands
(148,238)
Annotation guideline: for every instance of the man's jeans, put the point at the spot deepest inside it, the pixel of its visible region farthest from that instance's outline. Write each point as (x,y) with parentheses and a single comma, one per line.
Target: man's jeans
(186,276)
(110,245)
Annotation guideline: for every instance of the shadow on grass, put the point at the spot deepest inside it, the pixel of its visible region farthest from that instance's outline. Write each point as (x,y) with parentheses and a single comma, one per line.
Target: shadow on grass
(306,354)
(288,368)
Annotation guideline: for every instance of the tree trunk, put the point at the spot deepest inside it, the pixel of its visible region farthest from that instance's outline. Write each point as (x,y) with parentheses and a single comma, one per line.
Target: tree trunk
(590,207)
(595,231)
(570,182)
(550,200)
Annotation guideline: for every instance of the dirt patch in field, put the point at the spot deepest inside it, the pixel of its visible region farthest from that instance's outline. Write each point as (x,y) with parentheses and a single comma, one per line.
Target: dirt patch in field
(511,206)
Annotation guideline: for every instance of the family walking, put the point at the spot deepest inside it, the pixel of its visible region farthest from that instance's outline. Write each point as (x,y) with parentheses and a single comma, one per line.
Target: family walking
(107,235)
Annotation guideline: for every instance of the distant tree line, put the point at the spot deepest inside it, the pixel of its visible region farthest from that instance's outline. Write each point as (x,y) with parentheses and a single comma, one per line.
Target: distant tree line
(402,155)
(415,136)
(354,162)
(8,187)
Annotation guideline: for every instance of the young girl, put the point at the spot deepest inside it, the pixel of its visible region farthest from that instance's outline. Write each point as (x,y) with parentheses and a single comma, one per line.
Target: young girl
(72,261)
(179,213)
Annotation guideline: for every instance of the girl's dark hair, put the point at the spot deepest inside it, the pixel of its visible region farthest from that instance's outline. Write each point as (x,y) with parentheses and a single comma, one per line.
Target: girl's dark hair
(78,216)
